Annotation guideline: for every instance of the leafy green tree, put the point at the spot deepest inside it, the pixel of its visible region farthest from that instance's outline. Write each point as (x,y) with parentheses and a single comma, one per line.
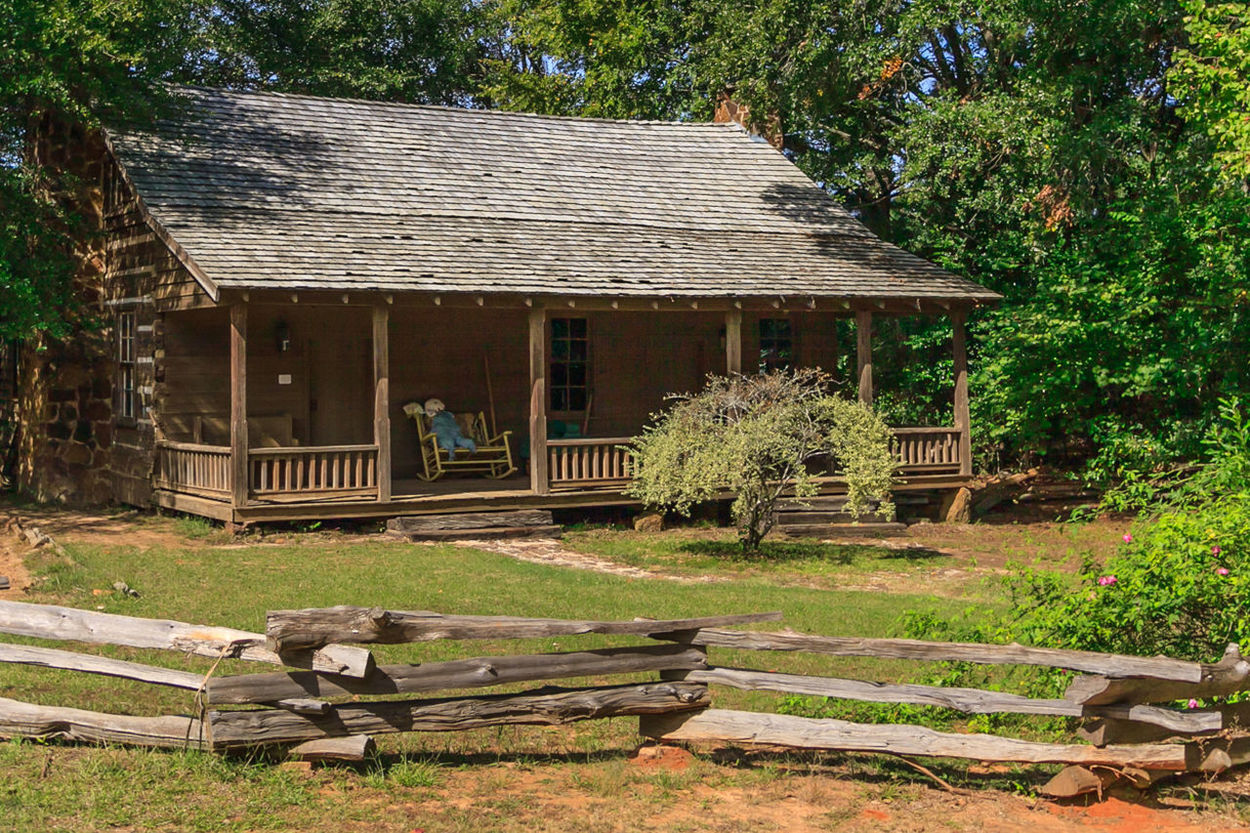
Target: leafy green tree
(420,51)
(1213,77)
(82,61)
(760,436)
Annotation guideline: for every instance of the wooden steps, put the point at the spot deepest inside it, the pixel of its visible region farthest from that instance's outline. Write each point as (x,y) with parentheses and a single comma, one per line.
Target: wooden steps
(826,517)
(524,523)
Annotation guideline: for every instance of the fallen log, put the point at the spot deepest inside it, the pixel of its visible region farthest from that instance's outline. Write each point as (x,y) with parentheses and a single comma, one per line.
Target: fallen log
(72,624)
(462,673)
(1109,665)
(254,727)
(302,629)
(27,720)
(1227,676)
(353,749)
(839,735)
(968,700)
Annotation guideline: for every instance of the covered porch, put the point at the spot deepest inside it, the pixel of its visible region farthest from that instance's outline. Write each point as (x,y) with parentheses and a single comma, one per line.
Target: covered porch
(309,422)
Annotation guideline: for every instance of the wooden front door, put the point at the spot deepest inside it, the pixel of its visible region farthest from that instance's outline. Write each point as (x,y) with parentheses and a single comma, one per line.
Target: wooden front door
(340,389)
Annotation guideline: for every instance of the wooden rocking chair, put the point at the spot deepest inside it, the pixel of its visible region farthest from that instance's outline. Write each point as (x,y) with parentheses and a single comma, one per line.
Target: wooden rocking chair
(493,457)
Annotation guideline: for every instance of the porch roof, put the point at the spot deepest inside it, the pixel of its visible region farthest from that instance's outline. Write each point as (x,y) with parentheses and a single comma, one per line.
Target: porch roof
(269,191)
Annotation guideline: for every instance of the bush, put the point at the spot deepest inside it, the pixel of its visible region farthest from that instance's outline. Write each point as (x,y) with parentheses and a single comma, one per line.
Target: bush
(1179,584)
(757,436)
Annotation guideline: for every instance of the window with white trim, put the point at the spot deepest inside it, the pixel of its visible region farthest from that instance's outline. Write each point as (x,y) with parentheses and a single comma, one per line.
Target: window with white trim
(127,396)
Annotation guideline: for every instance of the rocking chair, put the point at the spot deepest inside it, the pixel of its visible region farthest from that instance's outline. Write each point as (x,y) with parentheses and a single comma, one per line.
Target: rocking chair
(493,457)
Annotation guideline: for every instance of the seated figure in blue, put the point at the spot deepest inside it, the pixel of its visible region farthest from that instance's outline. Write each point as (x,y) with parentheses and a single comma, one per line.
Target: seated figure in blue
(446,430)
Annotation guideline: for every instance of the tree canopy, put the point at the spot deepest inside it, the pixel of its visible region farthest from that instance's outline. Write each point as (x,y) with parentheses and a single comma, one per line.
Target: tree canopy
(1087,160)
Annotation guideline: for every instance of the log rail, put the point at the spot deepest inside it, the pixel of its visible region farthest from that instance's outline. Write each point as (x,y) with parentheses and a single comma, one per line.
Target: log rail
(297,707)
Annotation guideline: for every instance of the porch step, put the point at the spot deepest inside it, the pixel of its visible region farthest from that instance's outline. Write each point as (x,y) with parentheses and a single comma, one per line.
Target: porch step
(488,533)
(791,517)
(462,525)
(844,530)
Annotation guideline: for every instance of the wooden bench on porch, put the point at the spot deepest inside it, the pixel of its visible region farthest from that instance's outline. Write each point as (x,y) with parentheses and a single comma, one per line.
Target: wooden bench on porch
(493,457)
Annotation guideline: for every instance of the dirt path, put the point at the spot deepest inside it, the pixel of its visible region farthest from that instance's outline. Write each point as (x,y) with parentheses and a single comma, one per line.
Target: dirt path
(552,551)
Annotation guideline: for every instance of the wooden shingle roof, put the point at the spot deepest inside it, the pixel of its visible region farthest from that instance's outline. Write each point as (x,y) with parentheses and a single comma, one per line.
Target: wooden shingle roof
(269,191)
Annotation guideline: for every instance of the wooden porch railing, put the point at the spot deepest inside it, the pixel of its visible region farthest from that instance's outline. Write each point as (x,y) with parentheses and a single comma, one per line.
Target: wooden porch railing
(927,450)
(588,462)
(315,471)
(193,468)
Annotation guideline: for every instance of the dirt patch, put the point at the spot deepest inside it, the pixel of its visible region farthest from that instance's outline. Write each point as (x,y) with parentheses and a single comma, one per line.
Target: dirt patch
(707,798)
(553,552)
(669,758)
(97,527)
(12,556)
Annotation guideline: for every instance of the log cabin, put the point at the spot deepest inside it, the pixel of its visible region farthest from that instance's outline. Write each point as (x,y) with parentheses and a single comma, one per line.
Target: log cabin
(284,276)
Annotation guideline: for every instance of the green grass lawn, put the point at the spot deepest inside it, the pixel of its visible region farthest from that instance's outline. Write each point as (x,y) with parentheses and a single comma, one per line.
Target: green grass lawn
(696,551)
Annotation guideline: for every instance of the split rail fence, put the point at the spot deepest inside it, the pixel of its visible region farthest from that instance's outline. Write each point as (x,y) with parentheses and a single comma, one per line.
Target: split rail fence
(303,707)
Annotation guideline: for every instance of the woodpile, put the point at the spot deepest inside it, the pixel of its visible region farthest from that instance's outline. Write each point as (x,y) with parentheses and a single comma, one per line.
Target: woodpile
(331,698)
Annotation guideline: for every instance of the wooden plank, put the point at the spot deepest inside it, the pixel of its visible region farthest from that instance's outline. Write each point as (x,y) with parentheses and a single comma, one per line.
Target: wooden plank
(462,673)
(26,720)
(310,628)
(807,733)
(539,482)
(963,422)
(733,341)
(352,748)
(1101,731)
(231,729)
(863,354)
(1227,676)
(968,700)
(238,405)
(382,399)
(67,623)
(1159,668)
(470,520)
(70,661)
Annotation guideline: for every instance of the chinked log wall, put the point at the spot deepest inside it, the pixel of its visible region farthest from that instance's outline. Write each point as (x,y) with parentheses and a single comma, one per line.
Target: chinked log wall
(296,706)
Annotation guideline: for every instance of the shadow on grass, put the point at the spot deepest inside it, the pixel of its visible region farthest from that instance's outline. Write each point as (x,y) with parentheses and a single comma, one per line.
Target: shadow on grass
(788,551)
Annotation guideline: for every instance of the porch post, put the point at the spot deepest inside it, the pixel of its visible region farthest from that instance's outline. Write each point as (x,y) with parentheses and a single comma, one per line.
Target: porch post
(538,402)
(733,341)
(382,398)
(863,351)
(960,348)
(238,405)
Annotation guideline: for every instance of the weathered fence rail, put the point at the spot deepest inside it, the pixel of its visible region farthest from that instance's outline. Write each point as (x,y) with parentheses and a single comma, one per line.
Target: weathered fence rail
(298,706)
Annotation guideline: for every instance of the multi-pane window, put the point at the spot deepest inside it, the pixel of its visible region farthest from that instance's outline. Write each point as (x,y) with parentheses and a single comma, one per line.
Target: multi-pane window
(570,364)
(776,344)
(127,401)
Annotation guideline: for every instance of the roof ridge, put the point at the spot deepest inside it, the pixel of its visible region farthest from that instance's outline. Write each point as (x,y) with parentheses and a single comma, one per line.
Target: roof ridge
(485,111)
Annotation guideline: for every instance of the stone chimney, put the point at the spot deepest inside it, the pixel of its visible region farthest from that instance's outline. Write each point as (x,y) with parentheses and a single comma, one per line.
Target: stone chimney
(729,110)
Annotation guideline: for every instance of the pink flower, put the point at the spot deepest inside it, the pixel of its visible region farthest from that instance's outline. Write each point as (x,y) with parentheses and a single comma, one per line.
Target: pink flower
(1215,550)
(1106,581)
(1221,571)
(1193,704)
(1128,539)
